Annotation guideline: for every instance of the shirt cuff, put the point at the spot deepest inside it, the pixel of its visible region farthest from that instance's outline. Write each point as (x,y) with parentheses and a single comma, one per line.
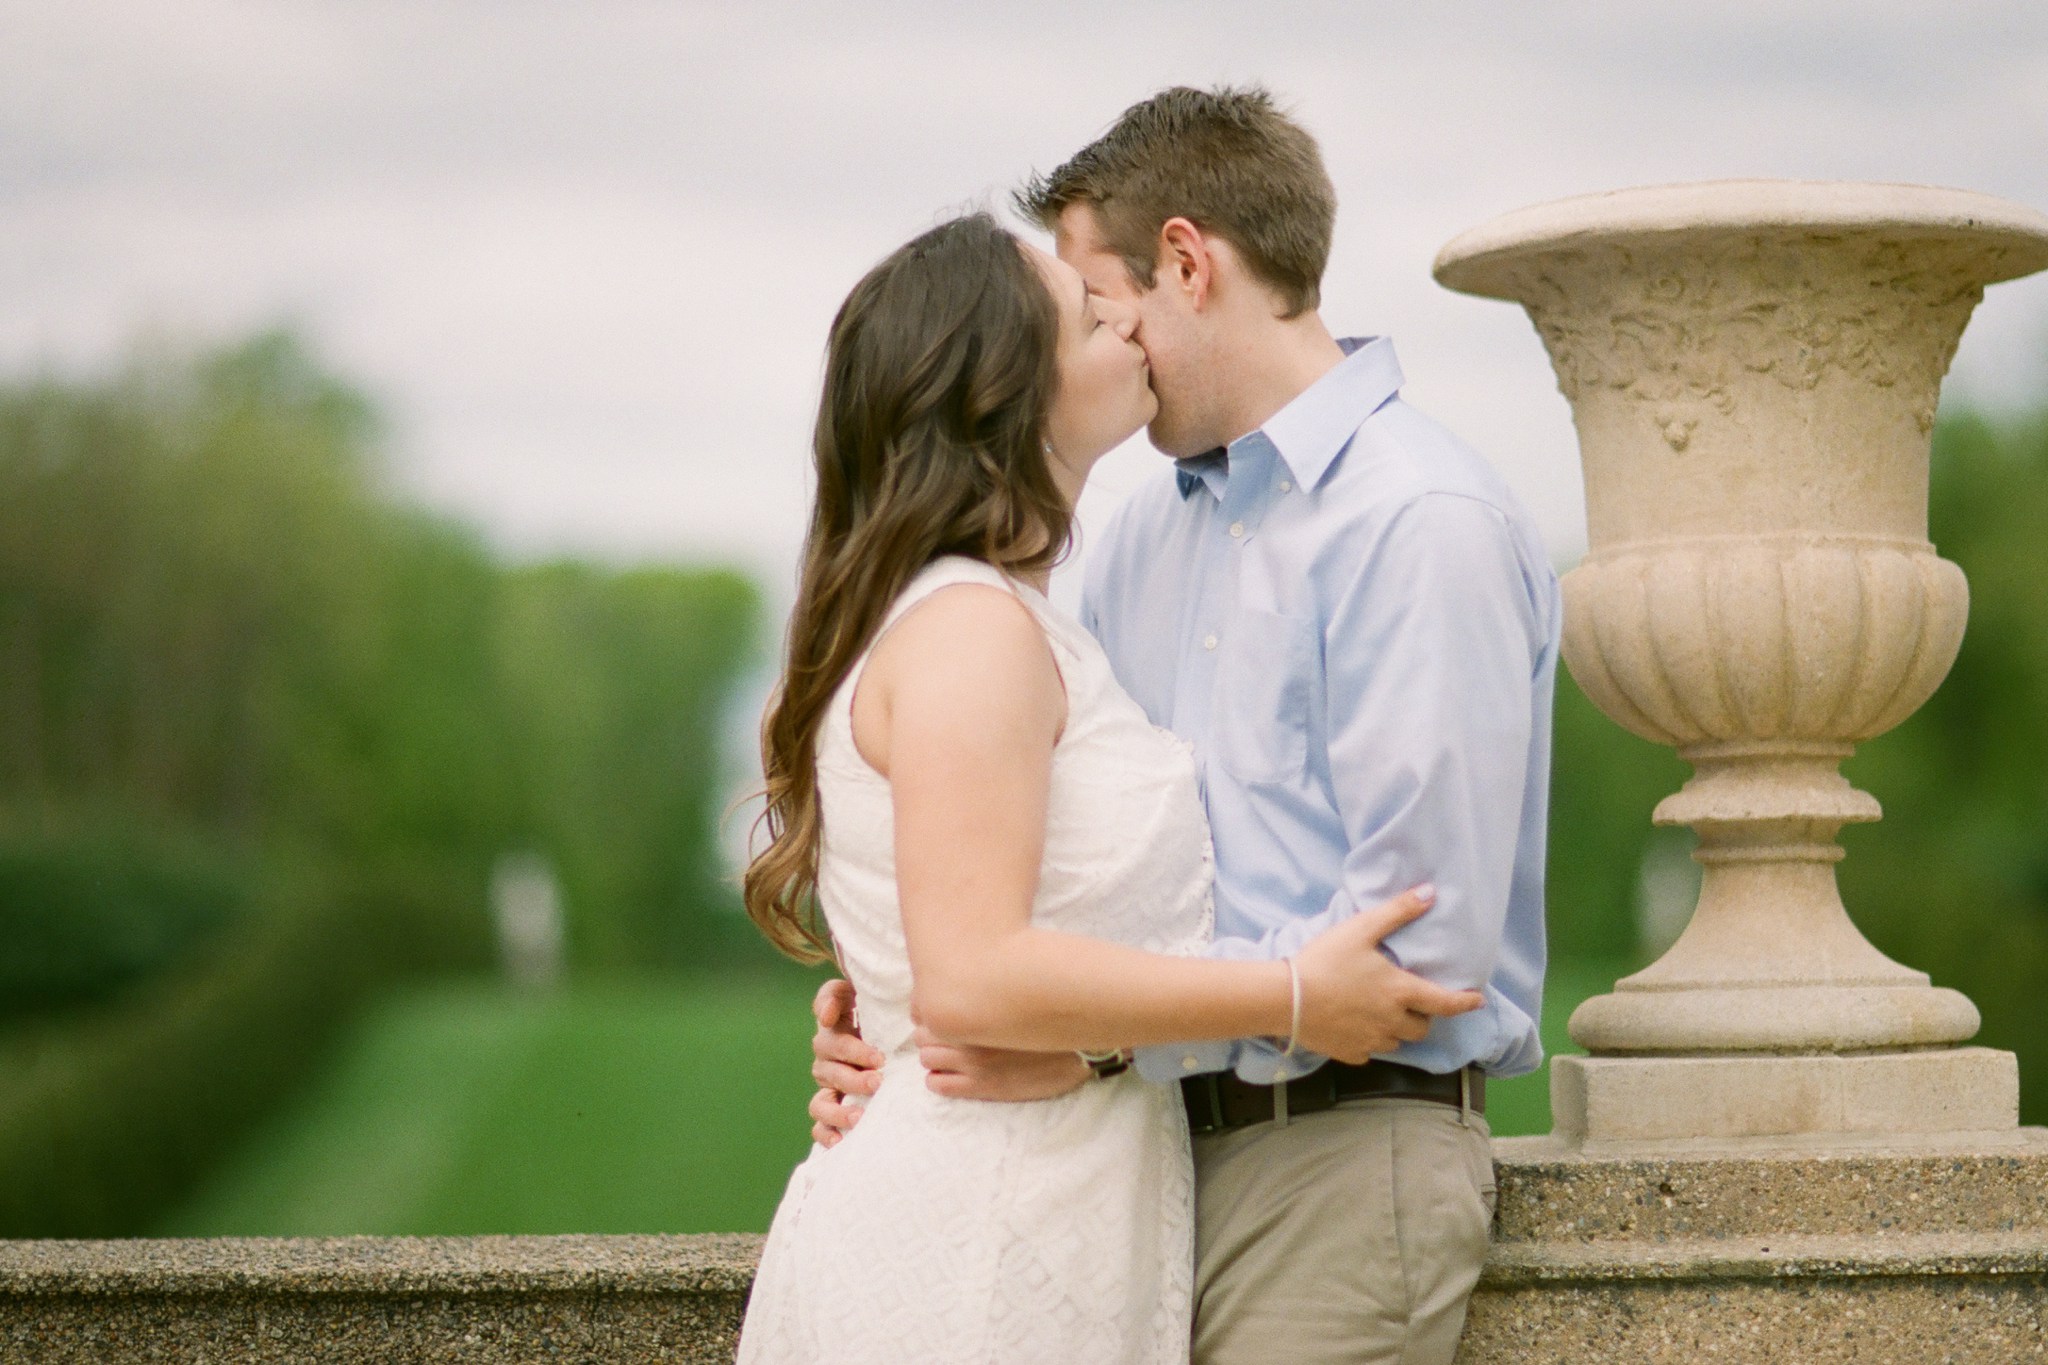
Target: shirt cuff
(1169,1062)
(1259,1061)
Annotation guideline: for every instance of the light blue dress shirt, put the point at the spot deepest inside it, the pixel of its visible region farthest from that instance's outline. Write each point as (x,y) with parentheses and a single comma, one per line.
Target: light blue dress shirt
(1355,623)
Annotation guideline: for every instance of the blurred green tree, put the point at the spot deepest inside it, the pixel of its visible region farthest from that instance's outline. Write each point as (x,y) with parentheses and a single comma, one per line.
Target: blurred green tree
(1954,880)
(219,632)
(619,680)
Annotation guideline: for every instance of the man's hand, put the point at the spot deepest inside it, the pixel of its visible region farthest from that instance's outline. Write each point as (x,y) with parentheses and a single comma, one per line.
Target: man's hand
(841,1063)
(1356,1003)
(991,1073)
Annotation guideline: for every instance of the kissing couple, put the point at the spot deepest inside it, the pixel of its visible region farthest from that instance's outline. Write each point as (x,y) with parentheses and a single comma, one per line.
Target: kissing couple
(1184,937)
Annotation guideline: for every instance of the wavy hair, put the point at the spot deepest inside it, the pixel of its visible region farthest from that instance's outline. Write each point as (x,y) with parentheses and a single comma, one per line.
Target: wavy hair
(930,441)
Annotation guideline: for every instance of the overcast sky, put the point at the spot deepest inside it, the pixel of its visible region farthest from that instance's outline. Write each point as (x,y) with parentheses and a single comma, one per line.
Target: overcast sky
(585,253)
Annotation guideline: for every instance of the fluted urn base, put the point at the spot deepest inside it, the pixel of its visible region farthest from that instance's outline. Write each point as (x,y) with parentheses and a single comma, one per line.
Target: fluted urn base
(1764,661)
(1770,961)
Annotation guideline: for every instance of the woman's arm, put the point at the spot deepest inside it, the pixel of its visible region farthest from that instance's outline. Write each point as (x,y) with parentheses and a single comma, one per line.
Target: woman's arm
(960,708)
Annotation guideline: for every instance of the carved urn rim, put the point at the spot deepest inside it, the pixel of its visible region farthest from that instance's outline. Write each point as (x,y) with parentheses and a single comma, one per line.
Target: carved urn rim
(1485,260)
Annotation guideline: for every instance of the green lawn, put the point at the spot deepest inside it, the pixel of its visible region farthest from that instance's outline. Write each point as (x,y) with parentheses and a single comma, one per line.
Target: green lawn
(661,1108)
(469,1109)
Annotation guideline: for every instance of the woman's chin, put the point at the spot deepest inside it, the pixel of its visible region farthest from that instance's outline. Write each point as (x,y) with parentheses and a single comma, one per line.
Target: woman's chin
(1128,433)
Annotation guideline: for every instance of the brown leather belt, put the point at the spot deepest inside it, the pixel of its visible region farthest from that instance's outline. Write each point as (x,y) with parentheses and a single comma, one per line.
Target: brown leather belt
(1219,1102)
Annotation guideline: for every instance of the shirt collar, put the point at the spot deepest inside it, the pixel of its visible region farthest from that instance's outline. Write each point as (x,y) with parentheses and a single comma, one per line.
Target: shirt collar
(1211,469)
(1321,420)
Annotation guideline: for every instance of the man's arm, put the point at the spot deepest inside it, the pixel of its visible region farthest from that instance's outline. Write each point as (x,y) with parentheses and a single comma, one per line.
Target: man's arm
(842,1064)
(1430,656)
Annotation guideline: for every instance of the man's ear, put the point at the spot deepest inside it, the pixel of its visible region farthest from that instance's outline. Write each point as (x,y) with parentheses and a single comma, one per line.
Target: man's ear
(1186,261)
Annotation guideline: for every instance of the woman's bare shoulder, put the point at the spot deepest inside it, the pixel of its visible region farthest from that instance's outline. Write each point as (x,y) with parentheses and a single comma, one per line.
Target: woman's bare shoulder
(968,633)
(968,658)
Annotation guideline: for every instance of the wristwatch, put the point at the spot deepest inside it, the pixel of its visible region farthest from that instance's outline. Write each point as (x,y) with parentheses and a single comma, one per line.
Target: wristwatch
(1106,1064)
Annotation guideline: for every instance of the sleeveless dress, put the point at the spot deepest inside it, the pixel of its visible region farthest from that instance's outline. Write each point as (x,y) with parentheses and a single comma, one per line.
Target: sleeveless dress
(966,1231)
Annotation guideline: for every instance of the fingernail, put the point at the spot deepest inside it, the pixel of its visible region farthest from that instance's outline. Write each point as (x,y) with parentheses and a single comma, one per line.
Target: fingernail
(1426,892)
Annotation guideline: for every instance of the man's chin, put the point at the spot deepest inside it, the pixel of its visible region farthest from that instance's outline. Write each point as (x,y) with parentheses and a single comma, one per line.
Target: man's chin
(1168,442)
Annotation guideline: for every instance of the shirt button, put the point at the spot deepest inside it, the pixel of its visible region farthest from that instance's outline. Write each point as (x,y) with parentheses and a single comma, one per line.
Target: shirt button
(1190,1062)
(1237,530)
(1286,486)
(1208,642)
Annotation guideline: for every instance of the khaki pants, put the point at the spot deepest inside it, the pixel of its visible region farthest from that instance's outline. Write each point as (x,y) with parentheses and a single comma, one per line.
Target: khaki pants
(1354,1234)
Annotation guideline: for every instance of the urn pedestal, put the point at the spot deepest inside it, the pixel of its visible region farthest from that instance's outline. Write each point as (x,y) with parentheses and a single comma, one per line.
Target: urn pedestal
(1753,369)
(1780,1146)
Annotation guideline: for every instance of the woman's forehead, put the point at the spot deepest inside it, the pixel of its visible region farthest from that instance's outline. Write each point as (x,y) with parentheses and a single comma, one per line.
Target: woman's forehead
(1062,279)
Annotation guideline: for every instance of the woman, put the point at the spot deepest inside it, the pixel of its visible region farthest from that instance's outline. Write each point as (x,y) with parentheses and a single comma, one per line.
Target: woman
(1001,843)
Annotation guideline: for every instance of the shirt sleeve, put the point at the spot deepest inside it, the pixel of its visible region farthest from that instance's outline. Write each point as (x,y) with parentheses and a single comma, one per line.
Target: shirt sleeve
(1430,653)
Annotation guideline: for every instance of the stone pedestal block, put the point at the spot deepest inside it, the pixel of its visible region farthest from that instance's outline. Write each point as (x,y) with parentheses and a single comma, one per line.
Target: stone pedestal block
(1939,1093)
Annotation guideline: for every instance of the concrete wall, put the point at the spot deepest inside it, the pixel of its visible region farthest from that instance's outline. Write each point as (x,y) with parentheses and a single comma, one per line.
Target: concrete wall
(1788,1256)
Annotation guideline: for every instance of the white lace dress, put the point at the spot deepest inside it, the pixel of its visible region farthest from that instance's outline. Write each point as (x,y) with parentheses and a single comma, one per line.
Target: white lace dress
(965,1231)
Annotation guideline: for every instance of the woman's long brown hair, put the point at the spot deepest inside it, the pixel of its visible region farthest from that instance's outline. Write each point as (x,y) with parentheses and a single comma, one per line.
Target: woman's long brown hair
(930,441)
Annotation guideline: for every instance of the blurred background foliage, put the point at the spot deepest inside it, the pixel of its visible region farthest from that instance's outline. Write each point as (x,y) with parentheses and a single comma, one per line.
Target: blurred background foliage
(268,734)
(353,879)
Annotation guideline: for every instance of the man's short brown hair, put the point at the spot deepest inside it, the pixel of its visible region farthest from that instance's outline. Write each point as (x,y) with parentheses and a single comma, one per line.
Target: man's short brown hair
(1229,161)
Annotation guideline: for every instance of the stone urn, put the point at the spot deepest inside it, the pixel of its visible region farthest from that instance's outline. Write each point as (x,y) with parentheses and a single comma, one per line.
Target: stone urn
(1753,368)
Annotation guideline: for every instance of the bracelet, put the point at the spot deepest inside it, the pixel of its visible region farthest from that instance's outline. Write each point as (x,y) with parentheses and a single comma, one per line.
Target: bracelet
(1105,1064)
(1294,1010)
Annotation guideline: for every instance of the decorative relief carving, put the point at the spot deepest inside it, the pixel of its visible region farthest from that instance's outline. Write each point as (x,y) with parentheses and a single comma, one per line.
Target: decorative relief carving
(1679,331)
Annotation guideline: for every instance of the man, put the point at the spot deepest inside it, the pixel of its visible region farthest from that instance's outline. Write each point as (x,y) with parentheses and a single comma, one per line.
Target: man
(1353,620)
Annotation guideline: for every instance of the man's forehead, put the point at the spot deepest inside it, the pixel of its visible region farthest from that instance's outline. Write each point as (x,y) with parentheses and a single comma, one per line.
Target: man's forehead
(1102,271)
(1077,232)
(1079,253)
(1083,249)
(1078,220)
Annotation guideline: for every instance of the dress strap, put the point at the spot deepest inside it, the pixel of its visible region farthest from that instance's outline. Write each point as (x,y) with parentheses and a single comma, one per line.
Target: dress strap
(943,572)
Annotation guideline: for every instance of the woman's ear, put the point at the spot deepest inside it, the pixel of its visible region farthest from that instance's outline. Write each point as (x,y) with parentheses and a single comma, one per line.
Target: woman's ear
(1187,261)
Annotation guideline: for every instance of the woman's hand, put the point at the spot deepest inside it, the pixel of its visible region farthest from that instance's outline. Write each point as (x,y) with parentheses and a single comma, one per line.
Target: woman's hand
(1355,1002)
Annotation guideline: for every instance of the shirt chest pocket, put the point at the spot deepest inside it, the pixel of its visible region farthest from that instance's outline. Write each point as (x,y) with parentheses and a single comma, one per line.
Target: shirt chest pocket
(1259,718)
